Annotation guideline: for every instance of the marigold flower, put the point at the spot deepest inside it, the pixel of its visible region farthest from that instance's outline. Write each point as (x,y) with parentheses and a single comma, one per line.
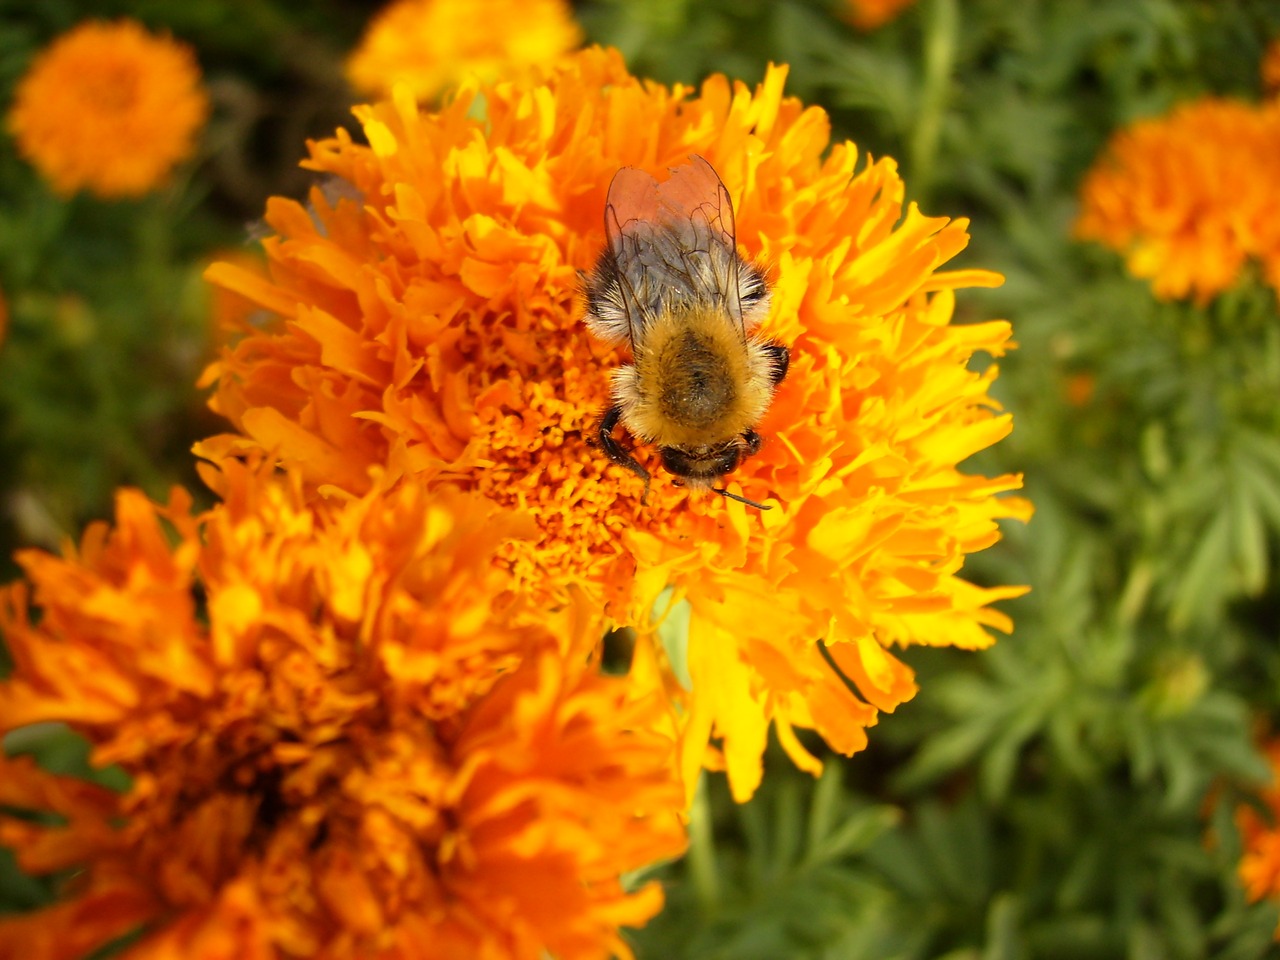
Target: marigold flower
(870,15)
(1271,67)
(1188,198)
(434,328)
(110,108)
(346,737)
(429,45)
(1259,869)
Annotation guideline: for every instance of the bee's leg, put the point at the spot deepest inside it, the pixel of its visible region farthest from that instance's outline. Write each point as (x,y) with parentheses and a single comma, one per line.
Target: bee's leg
(616,453)
(780,358)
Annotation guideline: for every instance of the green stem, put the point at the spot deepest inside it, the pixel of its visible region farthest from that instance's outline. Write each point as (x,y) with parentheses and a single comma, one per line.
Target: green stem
(941,25)
(702,851)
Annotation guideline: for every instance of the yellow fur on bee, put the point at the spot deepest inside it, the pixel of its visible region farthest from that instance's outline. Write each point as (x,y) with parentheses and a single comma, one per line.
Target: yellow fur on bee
(695,381)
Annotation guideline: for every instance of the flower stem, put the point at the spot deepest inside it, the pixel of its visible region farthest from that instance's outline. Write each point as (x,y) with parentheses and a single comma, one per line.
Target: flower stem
(941,25)
(702,852)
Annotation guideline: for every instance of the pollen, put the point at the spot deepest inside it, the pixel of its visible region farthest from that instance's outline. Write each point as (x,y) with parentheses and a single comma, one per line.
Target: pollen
(542,463)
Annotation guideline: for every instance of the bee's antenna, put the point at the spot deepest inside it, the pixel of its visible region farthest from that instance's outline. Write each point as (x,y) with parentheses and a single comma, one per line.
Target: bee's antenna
(733,496)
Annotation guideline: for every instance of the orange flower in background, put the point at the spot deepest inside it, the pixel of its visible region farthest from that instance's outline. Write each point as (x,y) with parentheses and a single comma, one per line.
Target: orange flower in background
(1271,67)
(110,108)
(430,45)
(433,328)
(872,14)
(1260,864)
(1188,199)
(346,736)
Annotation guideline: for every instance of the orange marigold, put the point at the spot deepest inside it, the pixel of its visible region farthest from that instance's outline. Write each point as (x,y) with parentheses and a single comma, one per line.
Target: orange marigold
(873,14)
(1270,69)
(1259,869)
(433,327)
(346,737)
(429,45)
(110,108)
(1188,198)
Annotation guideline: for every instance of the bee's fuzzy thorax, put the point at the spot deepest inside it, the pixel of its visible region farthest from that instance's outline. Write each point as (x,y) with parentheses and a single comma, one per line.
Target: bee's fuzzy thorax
(695,383)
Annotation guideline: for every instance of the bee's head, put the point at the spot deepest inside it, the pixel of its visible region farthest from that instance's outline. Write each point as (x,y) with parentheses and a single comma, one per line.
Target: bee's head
(703,465)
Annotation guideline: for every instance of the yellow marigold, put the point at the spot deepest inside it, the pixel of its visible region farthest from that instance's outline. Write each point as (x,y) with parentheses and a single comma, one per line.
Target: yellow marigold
(433,328)
(1259,869)
(345,736)
(430,45)
(872,14)
(110,108)
(1189,198)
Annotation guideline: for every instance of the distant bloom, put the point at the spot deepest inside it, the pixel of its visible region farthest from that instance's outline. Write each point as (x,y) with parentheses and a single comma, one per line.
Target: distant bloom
(433,328)
(873,14)
(1271,67)
(1080,388)
(1189,198)
(346,736)
(1260,865)
(109,108)
(430,45)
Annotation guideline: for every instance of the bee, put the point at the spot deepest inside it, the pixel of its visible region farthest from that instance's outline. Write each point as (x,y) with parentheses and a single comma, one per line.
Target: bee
(671,283)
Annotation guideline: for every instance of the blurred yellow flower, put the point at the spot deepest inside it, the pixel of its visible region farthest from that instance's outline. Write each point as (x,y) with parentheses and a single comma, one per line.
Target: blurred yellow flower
(430,45)
(872,14)
(346,736)
(1189,198)
(109,108)
(433,328)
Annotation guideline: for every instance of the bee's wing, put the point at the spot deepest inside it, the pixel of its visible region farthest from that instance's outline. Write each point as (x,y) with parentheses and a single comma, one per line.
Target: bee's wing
(673,242)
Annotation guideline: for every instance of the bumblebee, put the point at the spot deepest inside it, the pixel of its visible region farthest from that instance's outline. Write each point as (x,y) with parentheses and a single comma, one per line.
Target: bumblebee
(671,283)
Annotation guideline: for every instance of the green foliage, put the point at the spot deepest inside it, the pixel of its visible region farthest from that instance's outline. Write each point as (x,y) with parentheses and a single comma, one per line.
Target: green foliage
(1066,794)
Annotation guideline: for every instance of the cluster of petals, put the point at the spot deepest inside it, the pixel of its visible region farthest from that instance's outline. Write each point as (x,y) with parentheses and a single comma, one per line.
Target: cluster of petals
(345,736)
(109,108)
(1189,198)
(430,45)
(422,315)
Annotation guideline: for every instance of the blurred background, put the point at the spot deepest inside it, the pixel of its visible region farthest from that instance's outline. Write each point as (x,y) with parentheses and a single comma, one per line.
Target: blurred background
(1095,785)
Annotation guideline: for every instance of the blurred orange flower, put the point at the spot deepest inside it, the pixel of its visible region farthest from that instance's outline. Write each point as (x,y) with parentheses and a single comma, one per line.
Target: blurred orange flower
(872,14)
(110,108)
(1260,865)
(430,45)
(434,328)
(1189,198)
(1080,387)
(1271,67)
(345,734)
